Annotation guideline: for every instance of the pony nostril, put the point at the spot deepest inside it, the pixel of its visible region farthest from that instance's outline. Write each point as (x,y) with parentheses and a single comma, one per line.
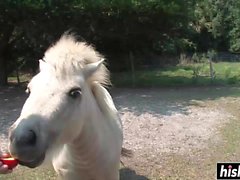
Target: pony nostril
(29,138)
(32,138)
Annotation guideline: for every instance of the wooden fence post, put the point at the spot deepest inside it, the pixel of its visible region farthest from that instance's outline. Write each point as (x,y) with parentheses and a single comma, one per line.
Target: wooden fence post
(131,58)
(212,73)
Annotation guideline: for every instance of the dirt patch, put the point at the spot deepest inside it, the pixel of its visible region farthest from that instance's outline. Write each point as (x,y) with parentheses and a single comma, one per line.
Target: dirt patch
(11,101)
(177,133)
(170,125)
(160,123)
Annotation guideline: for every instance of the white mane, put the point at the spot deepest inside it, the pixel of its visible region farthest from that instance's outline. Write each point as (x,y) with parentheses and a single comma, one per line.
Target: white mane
(68,57)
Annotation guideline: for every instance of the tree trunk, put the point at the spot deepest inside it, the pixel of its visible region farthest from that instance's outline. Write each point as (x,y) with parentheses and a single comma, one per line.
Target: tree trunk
(18,78)
(131,57)
(212,74)
(4,40)
(3,73)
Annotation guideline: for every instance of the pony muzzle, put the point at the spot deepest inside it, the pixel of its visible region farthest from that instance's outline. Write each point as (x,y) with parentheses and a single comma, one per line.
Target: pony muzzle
(25,143)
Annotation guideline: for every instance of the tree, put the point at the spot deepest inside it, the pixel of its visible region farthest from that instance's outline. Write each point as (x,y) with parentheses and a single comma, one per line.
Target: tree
(234,29)
(114,27)
(6,30)
(221,19)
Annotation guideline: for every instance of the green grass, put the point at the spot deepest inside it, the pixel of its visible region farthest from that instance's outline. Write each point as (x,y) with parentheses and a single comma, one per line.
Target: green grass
(23,77)
(226,73)
(23,173)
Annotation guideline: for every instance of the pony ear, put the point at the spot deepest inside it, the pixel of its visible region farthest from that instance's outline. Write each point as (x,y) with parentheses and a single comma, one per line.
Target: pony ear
(89,69)
(43,66)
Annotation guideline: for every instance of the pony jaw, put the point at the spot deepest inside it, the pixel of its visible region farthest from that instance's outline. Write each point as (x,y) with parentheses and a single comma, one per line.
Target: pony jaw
(32,164)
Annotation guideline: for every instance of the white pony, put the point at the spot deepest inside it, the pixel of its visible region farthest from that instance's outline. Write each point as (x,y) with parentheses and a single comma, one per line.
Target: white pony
(69,117)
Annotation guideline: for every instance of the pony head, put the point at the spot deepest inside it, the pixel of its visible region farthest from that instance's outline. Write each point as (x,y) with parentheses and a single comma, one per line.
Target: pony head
(60,100)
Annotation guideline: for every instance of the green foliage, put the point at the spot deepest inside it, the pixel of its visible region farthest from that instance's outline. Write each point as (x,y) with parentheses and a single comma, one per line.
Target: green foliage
(234,32)
(117,27)
(113,26)
(222,20)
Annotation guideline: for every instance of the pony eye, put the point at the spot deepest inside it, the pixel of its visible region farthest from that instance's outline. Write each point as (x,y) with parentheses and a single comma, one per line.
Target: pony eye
(74,93)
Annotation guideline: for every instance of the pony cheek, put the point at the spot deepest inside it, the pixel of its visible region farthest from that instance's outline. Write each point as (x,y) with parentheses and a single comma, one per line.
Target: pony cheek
(70,131)
(56,133)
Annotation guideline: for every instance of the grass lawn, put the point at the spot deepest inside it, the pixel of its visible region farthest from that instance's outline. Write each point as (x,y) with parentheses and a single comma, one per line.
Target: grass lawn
(226,73)
(23,173)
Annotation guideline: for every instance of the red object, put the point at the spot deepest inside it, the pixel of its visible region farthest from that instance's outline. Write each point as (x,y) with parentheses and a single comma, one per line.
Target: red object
(11,162)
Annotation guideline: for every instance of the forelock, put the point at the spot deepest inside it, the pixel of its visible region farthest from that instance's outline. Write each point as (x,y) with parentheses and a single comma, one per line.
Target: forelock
(69,56)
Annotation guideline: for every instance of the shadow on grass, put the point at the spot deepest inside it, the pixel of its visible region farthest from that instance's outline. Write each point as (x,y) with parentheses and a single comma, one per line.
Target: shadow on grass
(129,174)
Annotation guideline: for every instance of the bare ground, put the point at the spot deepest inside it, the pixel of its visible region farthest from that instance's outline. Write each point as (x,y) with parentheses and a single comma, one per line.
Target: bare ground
(172,132)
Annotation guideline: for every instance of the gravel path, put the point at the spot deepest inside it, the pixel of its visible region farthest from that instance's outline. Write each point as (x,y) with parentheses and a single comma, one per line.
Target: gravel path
(162,123)
(168,120)
(156,121)
(11,101)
